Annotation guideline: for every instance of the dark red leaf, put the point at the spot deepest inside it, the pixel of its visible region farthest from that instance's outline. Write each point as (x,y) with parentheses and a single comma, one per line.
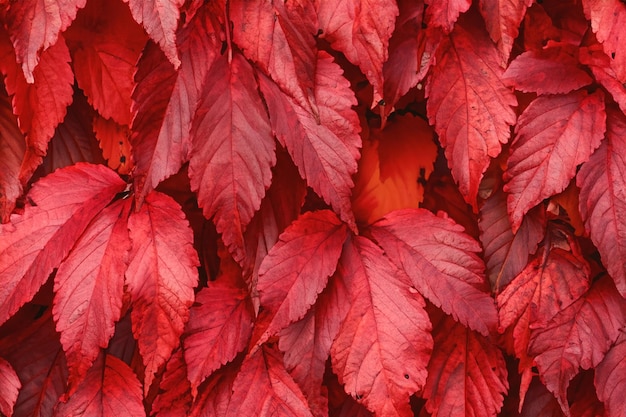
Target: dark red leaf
(160,278)
(466,374)
(9,386)
(219,327)
(324,149)
(215,394)
(469,105)
(381,352)
(232,149)
(34,27)
(444,13)
(610,378)
(578,337)
(89,286)
(110,388)
(12,149)
(442,263)
(361,30)
(174,399)
(540,402)
(264,388)
(602,182)
(552,70)
(34,243)
(554,135)
(296,270)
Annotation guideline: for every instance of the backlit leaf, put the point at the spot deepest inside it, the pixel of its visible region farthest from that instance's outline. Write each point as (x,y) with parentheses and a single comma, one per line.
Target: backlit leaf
(502,19)
(12,149)
(174,399)
(444,13)
(600,65)
(9,385)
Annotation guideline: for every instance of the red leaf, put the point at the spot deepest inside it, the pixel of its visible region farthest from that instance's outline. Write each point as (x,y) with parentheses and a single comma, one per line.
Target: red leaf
(164,102)
(34,26)
(502,19)
(578,337)
(105,44)
(113,140)
(34,243)
(608,18)
(215,394)
(12,149)
(160,277)
(325,150)
(444,13)
(109,388)
(540,402)
(89,285)
(466,375)
(442,263)
(383,347)
(468,104)
(37,357)
(278,37)
(220,326)
(9,386)
(554,135)
(600,65)
(41,106)
(602,182)
(307,342)
(361,30)
(506,253)
(264,388)
(552,70)
(174,399)
(610,378)
(232,151)
(296,270)
(160,20)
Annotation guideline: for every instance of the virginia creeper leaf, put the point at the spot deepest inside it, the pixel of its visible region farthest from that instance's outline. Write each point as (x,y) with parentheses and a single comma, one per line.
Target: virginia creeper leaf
(540,402)
(219,327)
(444,13)
(263,388)
(12,149)
(278,37)
(164,102)
(297,268)
(382,349)
(468,104)
(89,286)
(113,140)
(466,374)
(361,30)
(578,337)
(215,394)
(554,135)
(109,388)
(506,253)
(174,399)
(442,263)
(552,70)
(325,150)
(610,377)
(600,65)
(34,243)
(232,151)
(307,342)
(105,43)
(9,385)
(160,20)
(160,277)
(602,182)
(34,26)
(607,22)
(502,19)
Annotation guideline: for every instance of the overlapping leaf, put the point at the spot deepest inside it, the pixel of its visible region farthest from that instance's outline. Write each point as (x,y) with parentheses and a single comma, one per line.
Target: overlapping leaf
(34,243)
(602,182)
(554,135)
(10,386)
(12,149)
(232,149)
(469,105)
(444,13)
(174,399)
(610,377)
(382,349)
(160,277)
(113,140)
(442,263)
(607,22)
(600,64)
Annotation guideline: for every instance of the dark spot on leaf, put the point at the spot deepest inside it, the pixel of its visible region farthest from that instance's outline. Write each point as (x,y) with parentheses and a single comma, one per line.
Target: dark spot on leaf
(358,396)
(382,102)
(121,143)
(406,376)
(613,55)
(320,32)
(224,47)
(122,159)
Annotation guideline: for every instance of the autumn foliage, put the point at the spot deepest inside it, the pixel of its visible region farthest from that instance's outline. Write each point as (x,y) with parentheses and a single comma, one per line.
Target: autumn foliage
(313,208)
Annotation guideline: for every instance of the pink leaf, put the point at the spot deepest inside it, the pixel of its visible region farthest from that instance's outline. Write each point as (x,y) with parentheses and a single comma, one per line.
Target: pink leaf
(232,151)
(9,386)
(12,149)
(610,378)
(89,286)
(381,352)
(553,136)
(444,13)
(160,277)
(442,263)
(34,243)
